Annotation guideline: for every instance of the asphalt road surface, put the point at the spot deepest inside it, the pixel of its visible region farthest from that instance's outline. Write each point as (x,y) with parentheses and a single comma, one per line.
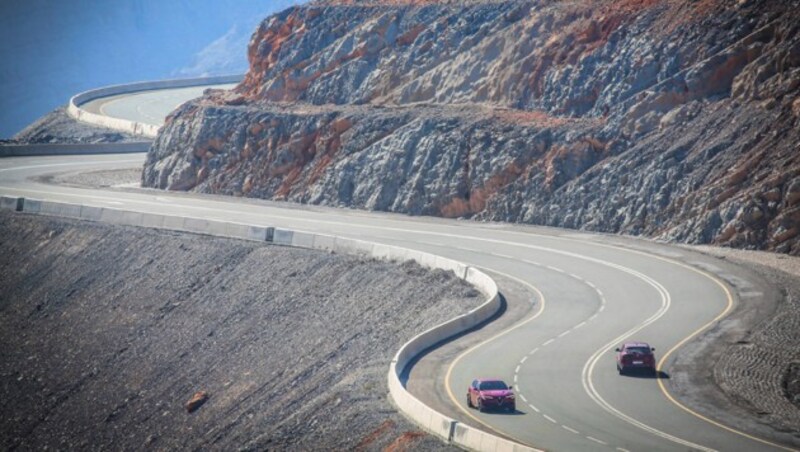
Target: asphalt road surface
(149,107)
(571,299)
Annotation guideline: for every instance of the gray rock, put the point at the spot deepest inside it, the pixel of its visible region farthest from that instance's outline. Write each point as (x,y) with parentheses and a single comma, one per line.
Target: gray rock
(663,120)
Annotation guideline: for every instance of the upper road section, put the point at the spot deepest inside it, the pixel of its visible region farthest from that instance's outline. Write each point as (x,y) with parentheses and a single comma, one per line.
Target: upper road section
(147,107)
(140,108)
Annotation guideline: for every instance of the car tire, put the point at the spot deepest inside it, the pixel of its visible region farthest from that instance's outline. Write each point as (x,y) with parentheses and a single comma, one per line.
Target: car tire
(621,370)
(481,407)
(469,402)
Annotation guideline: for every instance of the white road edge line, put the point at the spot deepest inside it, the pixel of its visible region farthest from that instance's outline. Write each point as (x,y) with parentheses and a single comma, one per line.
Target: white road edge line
(588,368)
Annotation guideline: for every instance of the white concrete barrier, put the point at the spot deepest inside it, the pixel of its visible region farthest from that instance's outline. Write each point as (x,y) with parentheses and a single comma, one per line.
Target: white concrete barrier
(135,128)
(475,439)
(91,213)
(353,247)
(113,216)
(436,423)
(325,242)
(31,205)
(151,220)
(282,237)
(11,203)
(302,240)
(172,222)
(258,233)
(197,225)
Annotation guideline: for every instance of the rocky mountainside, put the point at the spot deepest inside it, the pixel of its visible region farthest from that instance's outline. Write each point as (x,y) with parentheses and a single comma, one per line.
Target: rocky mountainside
(676,120)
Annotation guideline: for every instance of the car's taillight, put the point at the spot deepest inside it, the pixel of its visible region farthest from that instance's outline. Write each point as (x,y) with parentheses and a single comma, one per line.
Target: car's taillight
(626,359)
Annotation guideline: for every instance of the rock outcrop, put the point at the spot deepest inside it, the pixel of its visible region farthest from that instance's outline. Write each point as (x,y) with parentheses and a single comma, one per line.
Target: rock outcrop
(676,120)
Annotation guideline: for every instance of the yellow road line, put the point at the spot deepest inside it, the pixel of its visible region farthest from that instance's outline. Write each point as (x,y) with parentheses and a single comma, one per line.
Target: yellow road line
(502,333)
(662,361)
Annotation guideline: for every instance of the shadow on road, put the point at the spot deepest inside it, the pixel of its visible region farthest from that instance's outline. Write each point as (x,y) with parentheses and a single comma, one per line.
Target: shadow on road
(505,412)
(659,375)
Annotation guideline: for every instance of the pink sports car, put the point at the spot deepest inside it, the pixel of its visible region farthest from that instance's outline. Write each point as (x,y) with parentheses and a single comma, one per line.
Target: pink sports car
(487,393)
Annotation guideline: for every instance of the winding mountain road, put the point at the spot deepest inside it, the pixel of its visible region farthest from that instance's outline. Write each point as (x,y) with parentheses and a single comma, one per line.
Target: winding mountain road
(571,298)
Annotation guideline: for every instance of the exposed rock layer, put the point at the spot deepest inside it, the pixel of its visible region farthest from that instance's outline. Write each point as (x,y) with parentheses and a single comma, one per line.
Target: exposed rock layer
(676,120)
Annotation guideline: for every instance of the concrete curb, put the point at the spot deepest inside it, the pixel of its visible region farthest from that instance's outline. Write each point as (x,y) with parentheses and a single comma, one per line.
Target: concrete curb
(135,128)
(444,427)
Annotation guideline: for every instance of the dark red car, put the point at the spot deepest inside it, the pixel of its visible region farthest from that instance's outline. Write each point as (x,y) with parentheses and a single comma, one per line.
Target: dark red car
(636,356)
(488,393)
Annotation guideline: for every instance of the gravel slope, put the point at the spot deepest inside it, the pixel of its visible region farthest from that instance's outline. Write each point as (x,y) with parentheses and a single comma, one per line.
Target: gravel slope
(58,127)
(106,332)
(761,371)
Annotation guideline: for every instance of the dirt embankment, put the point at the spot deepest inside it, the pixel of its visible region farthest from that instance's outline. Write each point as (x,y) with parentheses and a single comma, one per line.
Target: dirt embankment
(761,371)
(57,127)
(106,332)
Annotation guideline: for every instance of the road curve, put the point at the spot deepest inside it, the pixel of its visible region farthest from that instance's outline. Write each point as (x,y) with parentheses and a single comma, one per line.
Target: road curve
(149,106)
(578,296)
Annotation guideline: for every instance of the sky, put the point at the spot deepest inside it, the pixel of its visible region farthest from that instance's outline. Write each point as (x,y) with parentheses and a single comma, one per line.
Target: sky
(52,49)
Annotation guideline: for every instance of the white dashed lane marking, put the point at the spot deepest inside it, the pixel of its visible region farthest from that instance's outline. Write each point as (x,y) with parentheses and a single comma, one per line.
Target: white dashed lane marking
(550,341)
(570,429)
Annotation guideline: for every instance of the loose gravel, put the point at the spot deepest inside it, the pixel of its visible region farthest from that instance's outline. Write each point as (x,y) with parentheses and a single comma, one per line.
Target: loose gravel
(107,331)
(122,178)
(762,371)
(58,127)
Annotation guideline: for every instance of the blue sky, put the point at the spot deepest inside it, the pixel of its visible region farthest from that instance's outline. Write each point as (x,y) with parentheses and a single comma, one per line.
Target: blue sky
(52,49)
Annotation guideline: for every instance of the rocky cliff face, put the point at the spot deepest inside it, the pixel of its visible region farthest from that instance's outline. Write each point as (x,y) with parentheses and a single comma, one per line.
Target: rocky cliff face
(676,120)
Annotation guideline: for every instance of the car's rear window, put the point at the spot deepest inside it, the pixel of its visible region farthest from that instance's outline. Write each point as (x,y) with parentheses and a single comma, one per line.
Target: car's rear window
(642,350)
(492,386)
